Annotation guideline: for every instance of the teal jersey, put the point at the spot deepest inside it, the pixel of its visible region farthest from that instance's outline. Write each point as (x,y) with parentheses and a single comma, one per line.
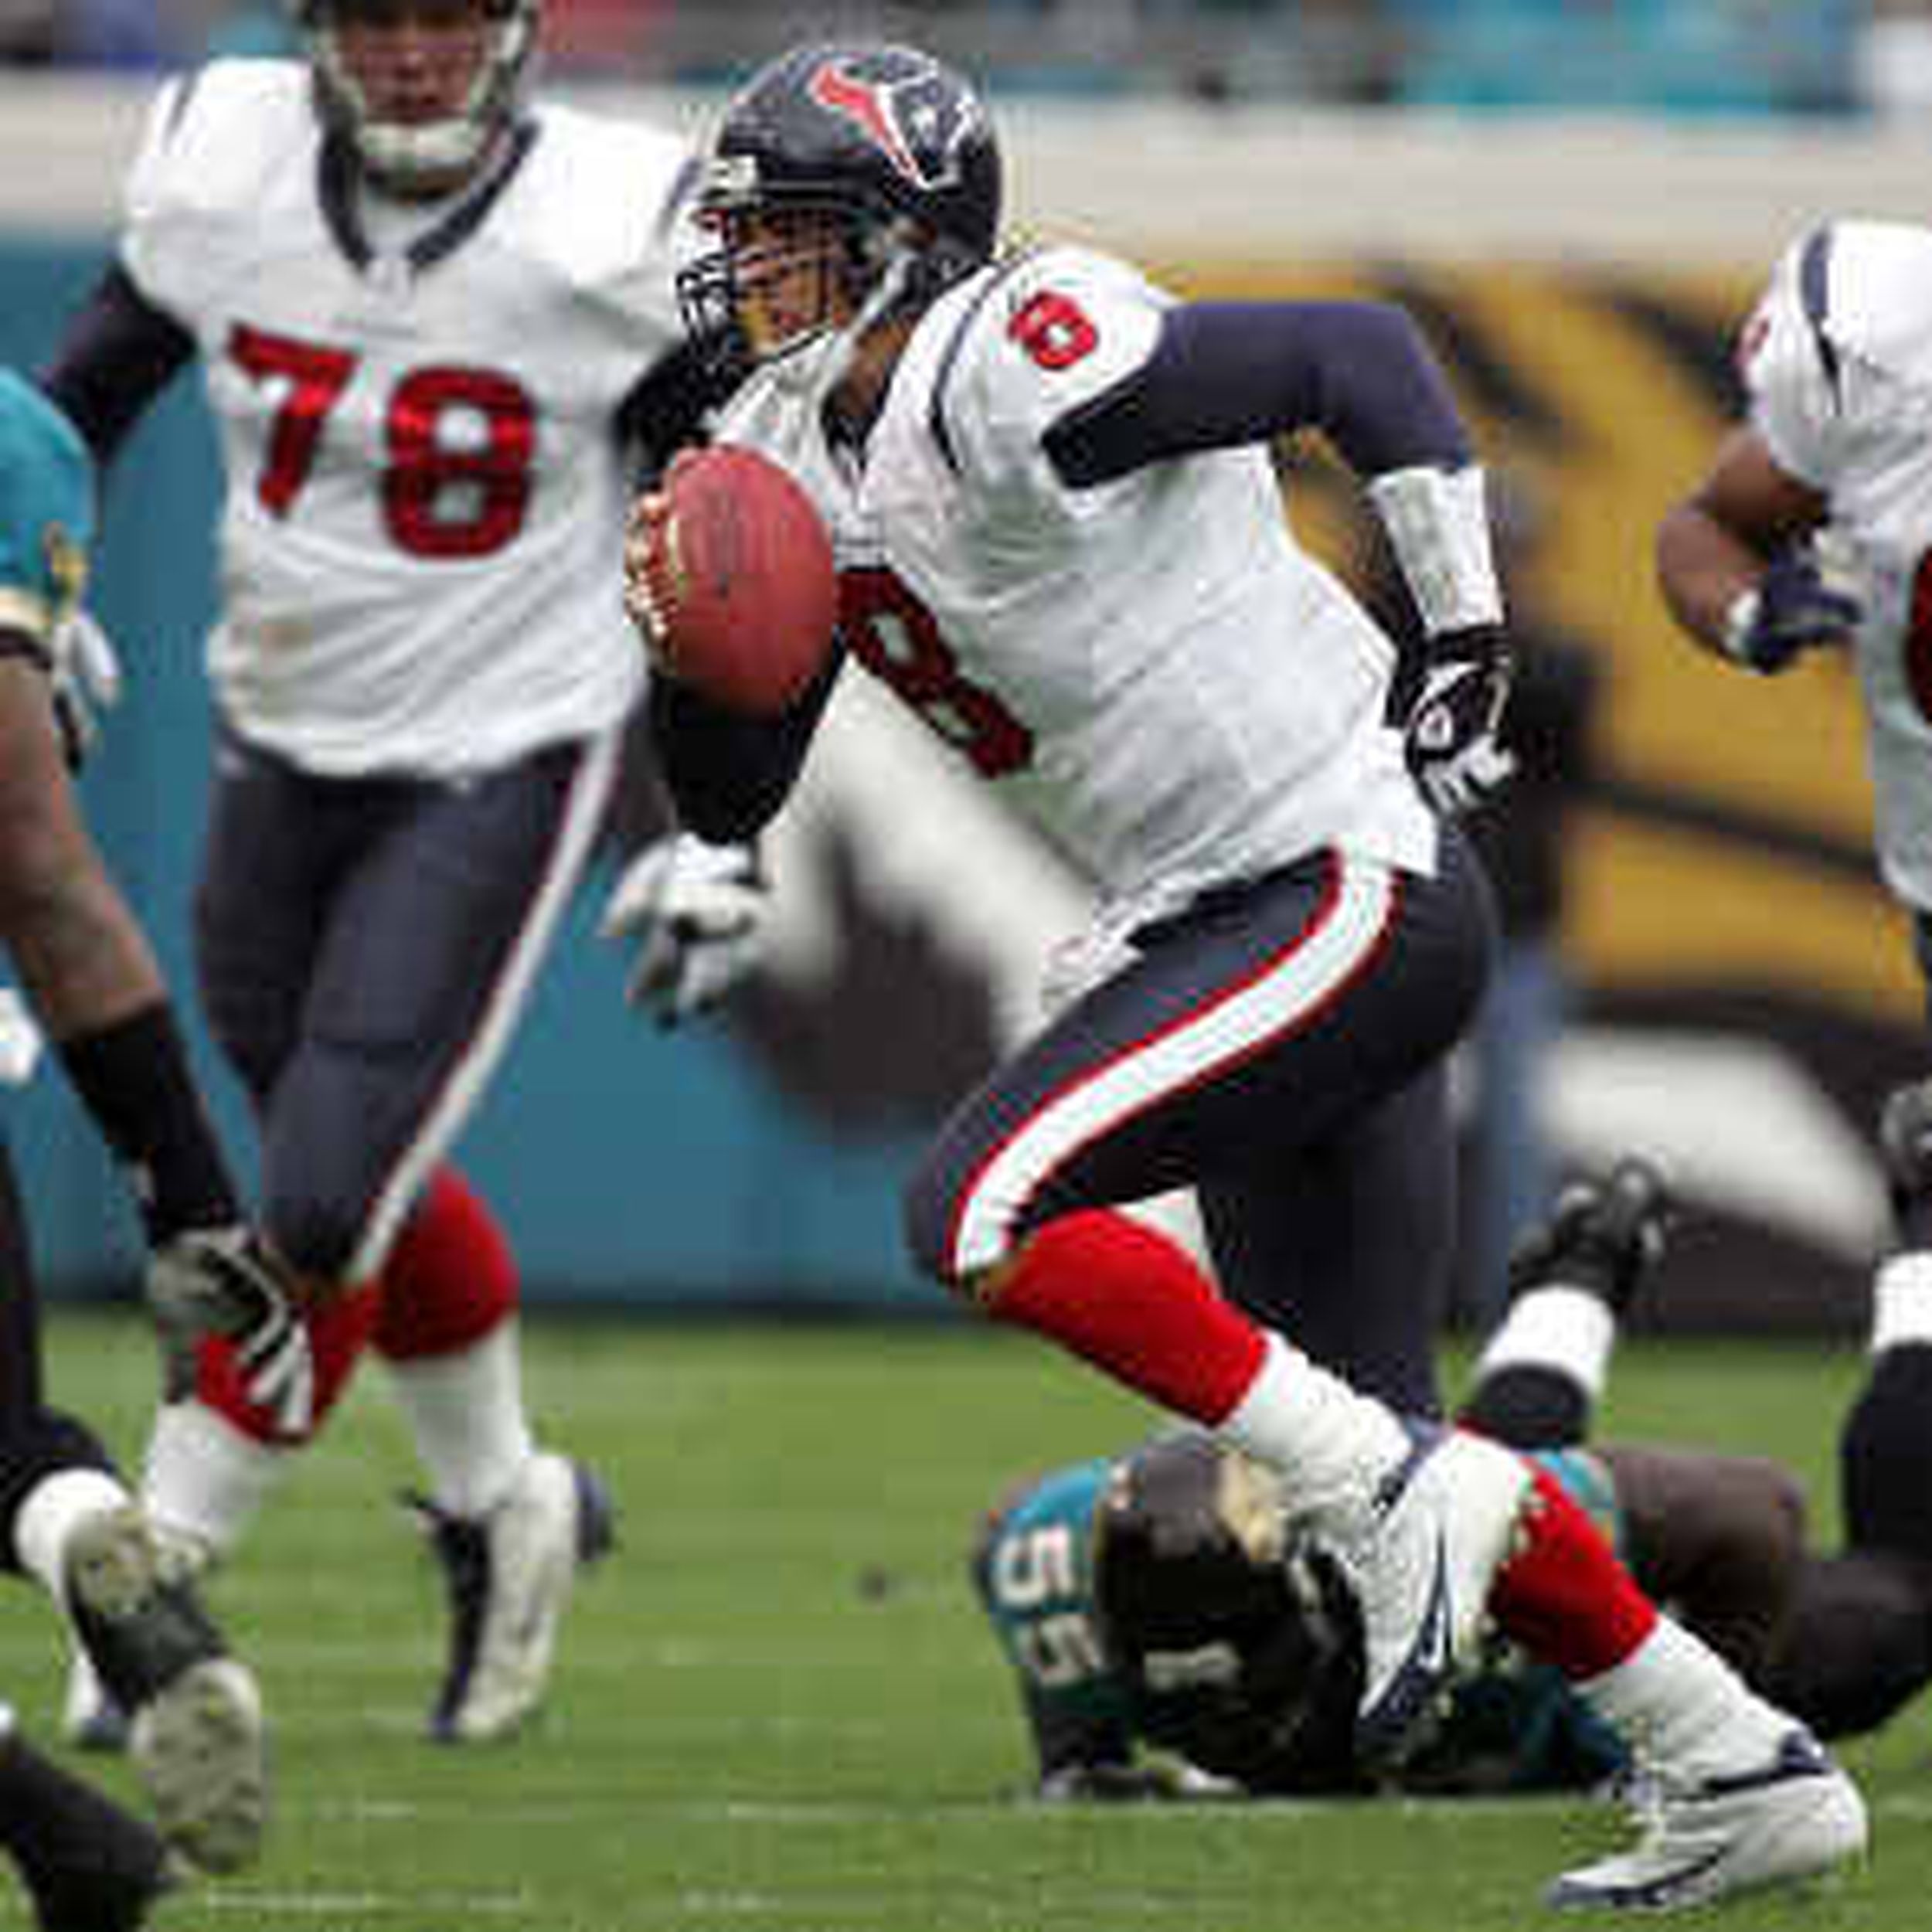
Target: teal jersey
(1513,1725)
(46,512)
(1033,1570)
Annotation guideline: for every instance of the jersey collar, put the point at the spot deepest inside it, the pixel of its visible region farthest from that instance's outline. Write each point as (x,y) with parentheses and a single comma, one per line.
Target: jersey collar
(338,177)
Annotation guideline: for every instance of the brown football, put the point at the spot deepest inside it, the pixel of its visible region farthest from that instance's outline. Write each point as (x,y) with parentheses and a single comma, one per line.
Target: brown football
(742,581)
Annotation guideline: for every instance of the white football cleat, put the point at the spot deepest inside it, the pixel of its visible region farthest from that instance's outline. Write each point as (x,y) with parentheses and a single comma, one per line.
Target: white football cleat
(509,1575)
(1440,1526)
(197,1735)
(1796,1818)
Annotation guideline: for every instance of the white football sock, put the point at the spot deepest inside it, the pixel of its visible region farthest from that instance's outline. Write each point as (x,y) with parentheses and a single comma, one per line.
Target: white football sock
(1902,1301)
(1683,1710)
(205,1481)
(1568,1331)
(1330,1443)
(465,1412)
(53,1506)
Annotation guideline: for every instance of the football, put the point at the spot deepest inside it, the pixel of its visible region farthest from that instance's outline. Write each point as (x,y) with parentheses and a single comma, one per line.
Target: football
(729,579)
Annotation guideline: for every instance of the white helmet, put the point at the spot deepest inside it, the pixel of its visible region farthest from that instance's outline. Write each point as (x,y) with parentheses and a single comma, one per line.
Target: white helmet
(421,156)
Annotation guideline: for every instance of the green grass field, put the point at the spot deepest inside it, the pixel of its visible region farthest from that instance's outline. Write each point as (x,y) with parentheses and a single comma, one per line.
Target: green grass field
(777,1709)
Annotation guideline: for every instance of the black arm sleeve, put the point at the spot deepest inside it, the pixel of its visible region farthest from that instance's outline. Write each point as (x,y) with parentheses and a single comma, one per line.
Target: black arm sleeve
(665,411)
(1226,373)
(118,355)
(728,774)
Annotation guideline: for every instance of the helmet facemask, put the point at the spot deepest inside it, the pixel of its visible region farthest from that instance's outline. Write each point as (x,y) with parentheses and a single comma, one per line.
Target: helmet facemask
(790,283)
(411,157)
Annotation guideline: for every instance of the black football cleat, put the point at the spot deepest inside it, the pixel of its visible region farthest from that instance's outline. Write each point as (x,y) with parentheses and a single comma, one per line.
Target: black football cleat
(1603,1235)
(197,1735)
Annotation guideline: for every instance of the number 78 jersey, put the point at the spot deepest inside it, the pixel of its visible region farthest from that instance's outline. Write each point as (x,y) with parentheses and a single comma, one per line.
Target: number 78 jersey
(425,488)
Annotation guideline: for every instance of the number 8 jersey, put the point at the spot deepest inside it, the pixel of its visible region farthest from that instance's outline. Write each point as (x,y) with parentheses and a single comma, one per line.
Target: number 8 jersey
(1151,668)
(418,413)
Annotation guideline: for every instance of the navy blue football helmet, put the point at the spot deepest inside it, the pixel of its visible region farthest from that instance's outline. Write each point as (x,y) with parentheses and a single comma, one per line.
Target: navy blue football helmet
(886,148)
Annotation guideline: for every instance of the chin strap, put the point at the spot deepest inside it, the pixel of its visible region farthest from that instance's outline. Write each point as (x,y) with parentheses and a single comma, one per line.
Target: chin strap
(812,368)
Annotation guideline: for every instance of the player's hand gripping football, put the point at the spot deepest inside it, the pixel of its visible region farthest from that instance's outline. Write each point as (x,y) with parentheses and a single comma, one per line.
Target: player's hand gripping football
(1450,740)
(697,911)
(650,572)
(730,581)
(1811,594)
(222,1281)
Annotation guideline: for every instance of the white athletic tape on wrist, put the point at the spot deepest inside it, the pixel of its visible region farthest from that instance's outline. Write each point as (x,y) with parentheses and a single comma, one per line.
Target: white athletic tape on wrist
(1438,525)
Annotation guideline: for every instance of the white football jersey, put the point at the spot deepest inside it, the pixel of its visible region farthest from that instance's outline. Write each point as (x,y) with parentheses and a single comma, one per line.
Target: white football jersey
(1838,355)
(1152,669)
(422,533)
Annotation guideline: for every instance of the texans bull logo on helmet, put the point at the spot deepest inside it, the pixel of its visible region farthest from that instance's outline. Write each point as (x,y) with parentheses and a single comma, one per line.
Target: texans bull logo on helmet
(917,121)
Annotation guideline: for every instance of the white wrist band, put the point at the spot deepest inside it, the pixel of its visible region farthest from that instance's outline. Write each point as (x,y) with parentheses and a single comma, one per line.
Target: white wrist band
(1438,525)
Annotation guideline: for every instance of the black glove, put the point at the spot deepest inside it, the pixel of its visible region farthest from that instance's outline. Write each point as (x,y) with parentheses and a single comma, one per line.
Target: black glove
(1450,740)
(1810,594)
(222,1281)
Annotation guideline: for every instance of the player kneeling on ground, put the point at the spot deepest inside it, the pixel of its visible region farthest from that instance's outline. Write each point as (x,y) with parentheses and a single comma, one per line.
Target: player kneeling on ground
(1173,1637)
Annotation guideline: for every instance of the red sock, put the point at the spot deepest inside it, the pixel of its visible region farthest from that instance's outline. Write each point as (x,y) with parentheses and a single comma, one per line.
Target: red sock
(450,1279)
(337,1332)
(1566,1597)
(1130,1301)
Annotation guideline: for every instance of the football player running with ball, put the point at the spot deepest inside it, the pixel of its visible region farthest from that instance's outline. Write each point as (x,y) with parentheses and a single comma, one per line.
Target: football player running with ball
(1155,1599)
(434,361)
(1060,543)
